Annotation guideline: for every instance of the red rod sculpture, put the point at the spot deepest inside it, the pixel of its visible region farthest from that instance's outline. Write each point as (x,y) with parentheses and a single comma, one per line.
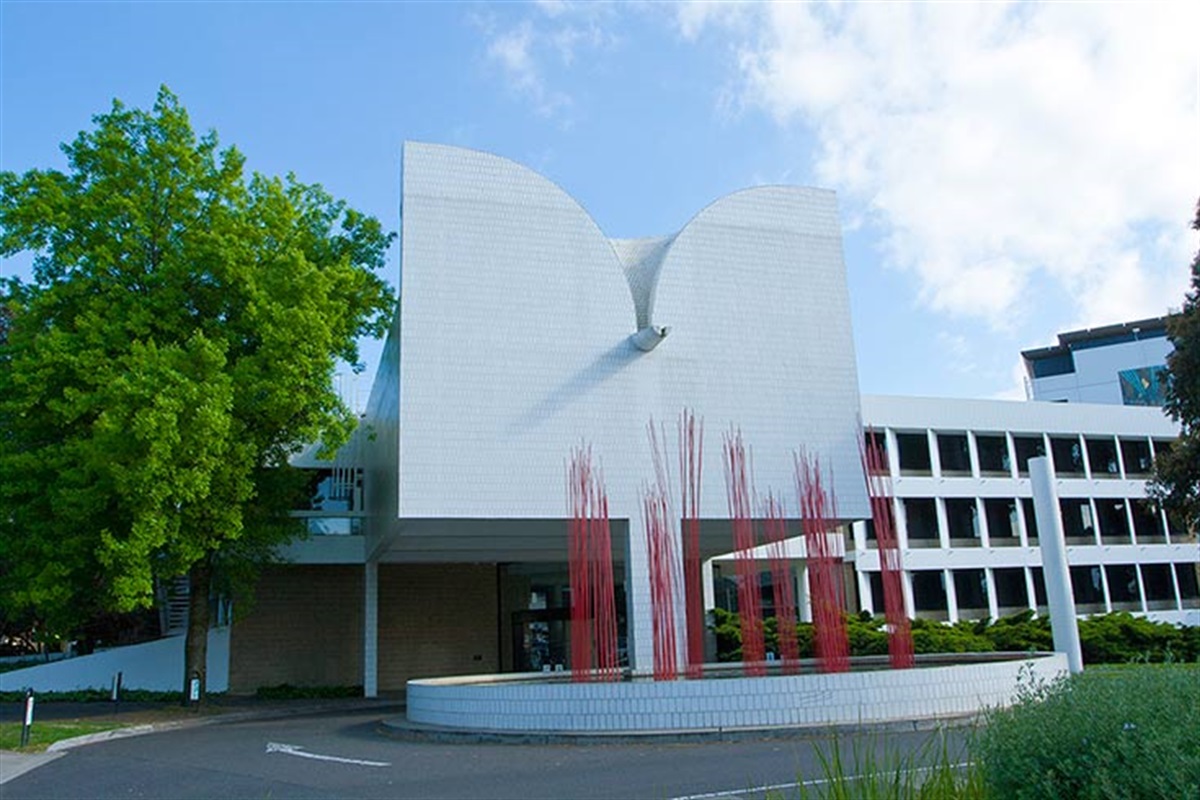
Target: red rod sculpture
(691,449)
(589,554)
(663,557)
(739,495)
(818,515)
(781,583)
(875,469)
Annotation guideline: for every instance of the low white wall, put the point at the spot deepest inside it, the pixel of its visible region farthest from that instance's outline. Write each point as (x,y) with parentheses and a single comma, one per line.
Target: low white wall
(493,703)
(156,665)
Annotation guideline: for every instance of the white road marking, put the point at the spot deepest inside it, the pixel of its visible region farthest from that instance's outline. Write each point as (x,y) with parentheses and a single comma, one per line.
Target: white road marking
(295,750)
(759,790)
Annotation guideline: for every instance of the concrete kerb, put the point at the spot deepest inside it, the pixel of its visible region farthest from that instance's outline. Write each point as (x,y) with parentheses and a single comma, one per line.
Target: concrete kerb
(401,729)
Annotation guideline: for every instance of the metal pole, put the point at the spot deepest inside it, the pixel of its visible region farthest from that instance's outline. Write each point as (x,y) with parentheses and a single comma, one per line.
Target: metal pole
(28,718)
(1063,624)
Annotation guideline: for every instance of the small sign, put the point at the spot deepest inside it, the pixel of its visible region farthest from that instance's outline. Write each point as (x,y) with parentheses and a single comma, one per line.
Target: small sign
(194,691)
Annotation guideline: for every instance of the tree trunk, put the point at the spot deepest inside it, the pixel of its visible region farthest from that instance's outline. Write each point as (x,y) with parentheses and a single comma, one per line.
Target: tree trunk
(195,658)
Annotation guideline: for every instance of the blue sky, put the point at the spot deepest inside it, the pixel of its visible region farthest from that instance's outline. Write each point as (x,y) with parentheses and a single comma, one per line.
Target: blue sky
(1005,171)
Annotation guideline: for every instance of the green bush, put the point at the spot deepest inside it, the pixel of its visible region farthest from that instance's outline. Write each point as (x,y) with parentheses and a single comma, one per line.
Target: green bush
(98,696)
(1108,732)
(1115,638)
(285,691)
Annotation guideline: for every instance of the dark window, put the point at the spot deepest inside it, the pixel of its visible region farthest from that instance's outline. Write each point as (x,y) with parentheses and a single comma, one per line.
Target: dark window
(961,523)
(1011,591)
(1123,585)
(875,580)
(1051,365)
(929,591)
(871,538)
(914,454)
(1001,521)
(1102,458)
(1114,525)
(993,455)
(921,517)
(1028,447)
(1088,588)
(1147,522)
(1189,591)
(1031,530)
(1078,526)
(1067,454)
(1136,455)
(1160,590)
(875,443)
(1163,446)
(953,453)
(1039,587)
(970,588)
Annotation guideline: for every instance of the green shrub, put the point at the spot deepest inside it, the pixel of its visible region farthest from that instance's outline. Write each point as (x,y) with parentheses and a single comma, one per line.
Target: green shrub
(98,696)
(931,636)
(1127,731)
(1120,637)
(285,691)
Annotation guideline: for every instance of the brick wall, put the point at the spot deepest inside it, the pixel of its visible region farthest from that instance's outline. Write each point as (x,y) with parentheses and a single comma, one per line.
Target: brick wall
(305,629)
(436,619)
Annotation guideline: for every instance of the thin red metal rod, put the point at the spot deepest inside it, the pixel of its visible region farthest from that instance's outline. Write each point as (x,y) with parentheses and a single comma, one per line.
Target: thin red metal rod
(691,451)
(819,521)
(875,470)
(781,583)
(740,500)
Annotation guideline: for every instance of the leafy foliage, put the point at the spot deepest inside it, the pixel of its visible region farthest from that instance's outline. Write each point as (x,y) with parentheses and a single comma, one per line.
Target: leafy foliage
(1114,638)
(1106,732)
(176,344)
(1177,472)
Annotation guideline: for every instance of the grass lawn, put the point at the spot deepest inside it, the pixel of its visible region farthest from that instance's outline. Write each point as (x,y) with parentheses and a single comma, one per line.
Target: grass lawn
(44,734)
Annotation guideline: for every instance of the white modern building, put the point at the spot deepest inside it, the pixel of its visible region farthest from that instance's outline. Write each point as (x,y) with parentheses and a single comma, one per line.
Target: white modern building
(439,533)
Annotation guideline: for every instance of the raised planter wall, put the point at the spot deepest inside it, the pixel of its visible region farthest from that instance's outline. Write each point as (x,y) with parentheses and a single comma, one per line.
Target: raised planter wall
(535,702)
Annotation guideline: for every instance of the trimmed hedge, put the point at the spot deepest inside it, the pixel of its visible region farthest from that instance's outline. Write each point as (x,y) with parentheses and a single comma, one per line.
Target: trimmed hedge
(1114,638)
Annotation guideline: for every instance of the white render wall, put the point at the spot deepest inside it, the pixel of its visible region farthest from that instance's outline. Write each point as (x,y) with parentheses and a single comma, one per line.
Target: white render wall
(1095,379)
(931,416)
(514,342)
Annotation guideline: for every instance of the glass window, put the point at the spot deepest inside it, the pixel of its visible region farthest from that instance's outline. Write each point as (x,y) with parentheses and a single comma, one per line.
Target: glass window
(334,526)
(875,580)
(1039,587)
(1031,531)
(929,592)
(993,455)
(1136,455)
(970,588)
(1189,591)
(1067,454)
(961,522)
(1011,591)
(1001,521)
(1028,447)
(921,518)
(914,454)
(1147,522)
(1114,525)
(876,441)
(1102,458)
(1078,525)
(1159,588)
(953,454)
(1123,586)
(1088,588)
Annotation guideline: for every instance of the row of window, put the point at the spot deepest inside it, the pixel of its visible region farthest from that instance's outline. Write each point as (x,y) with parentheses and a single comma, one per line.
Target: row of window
(1097,588)
(1010,522)
(1006,455)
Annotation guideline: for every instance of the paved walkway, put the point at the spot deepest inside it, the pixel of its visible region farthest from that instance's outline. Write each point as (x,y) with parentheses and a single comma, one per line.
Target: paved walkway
(139,719)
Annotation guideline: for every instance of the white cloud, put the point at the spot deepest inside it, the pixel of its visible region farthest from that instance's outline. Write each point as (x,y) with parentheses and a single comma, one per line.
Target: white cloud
(543,43)
(995,144)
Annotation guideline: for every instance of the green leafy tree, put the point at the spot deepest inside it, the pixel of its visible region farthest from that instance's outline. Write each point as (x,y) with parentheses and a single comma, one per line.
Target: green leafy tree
(176,344)
(1177,472)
